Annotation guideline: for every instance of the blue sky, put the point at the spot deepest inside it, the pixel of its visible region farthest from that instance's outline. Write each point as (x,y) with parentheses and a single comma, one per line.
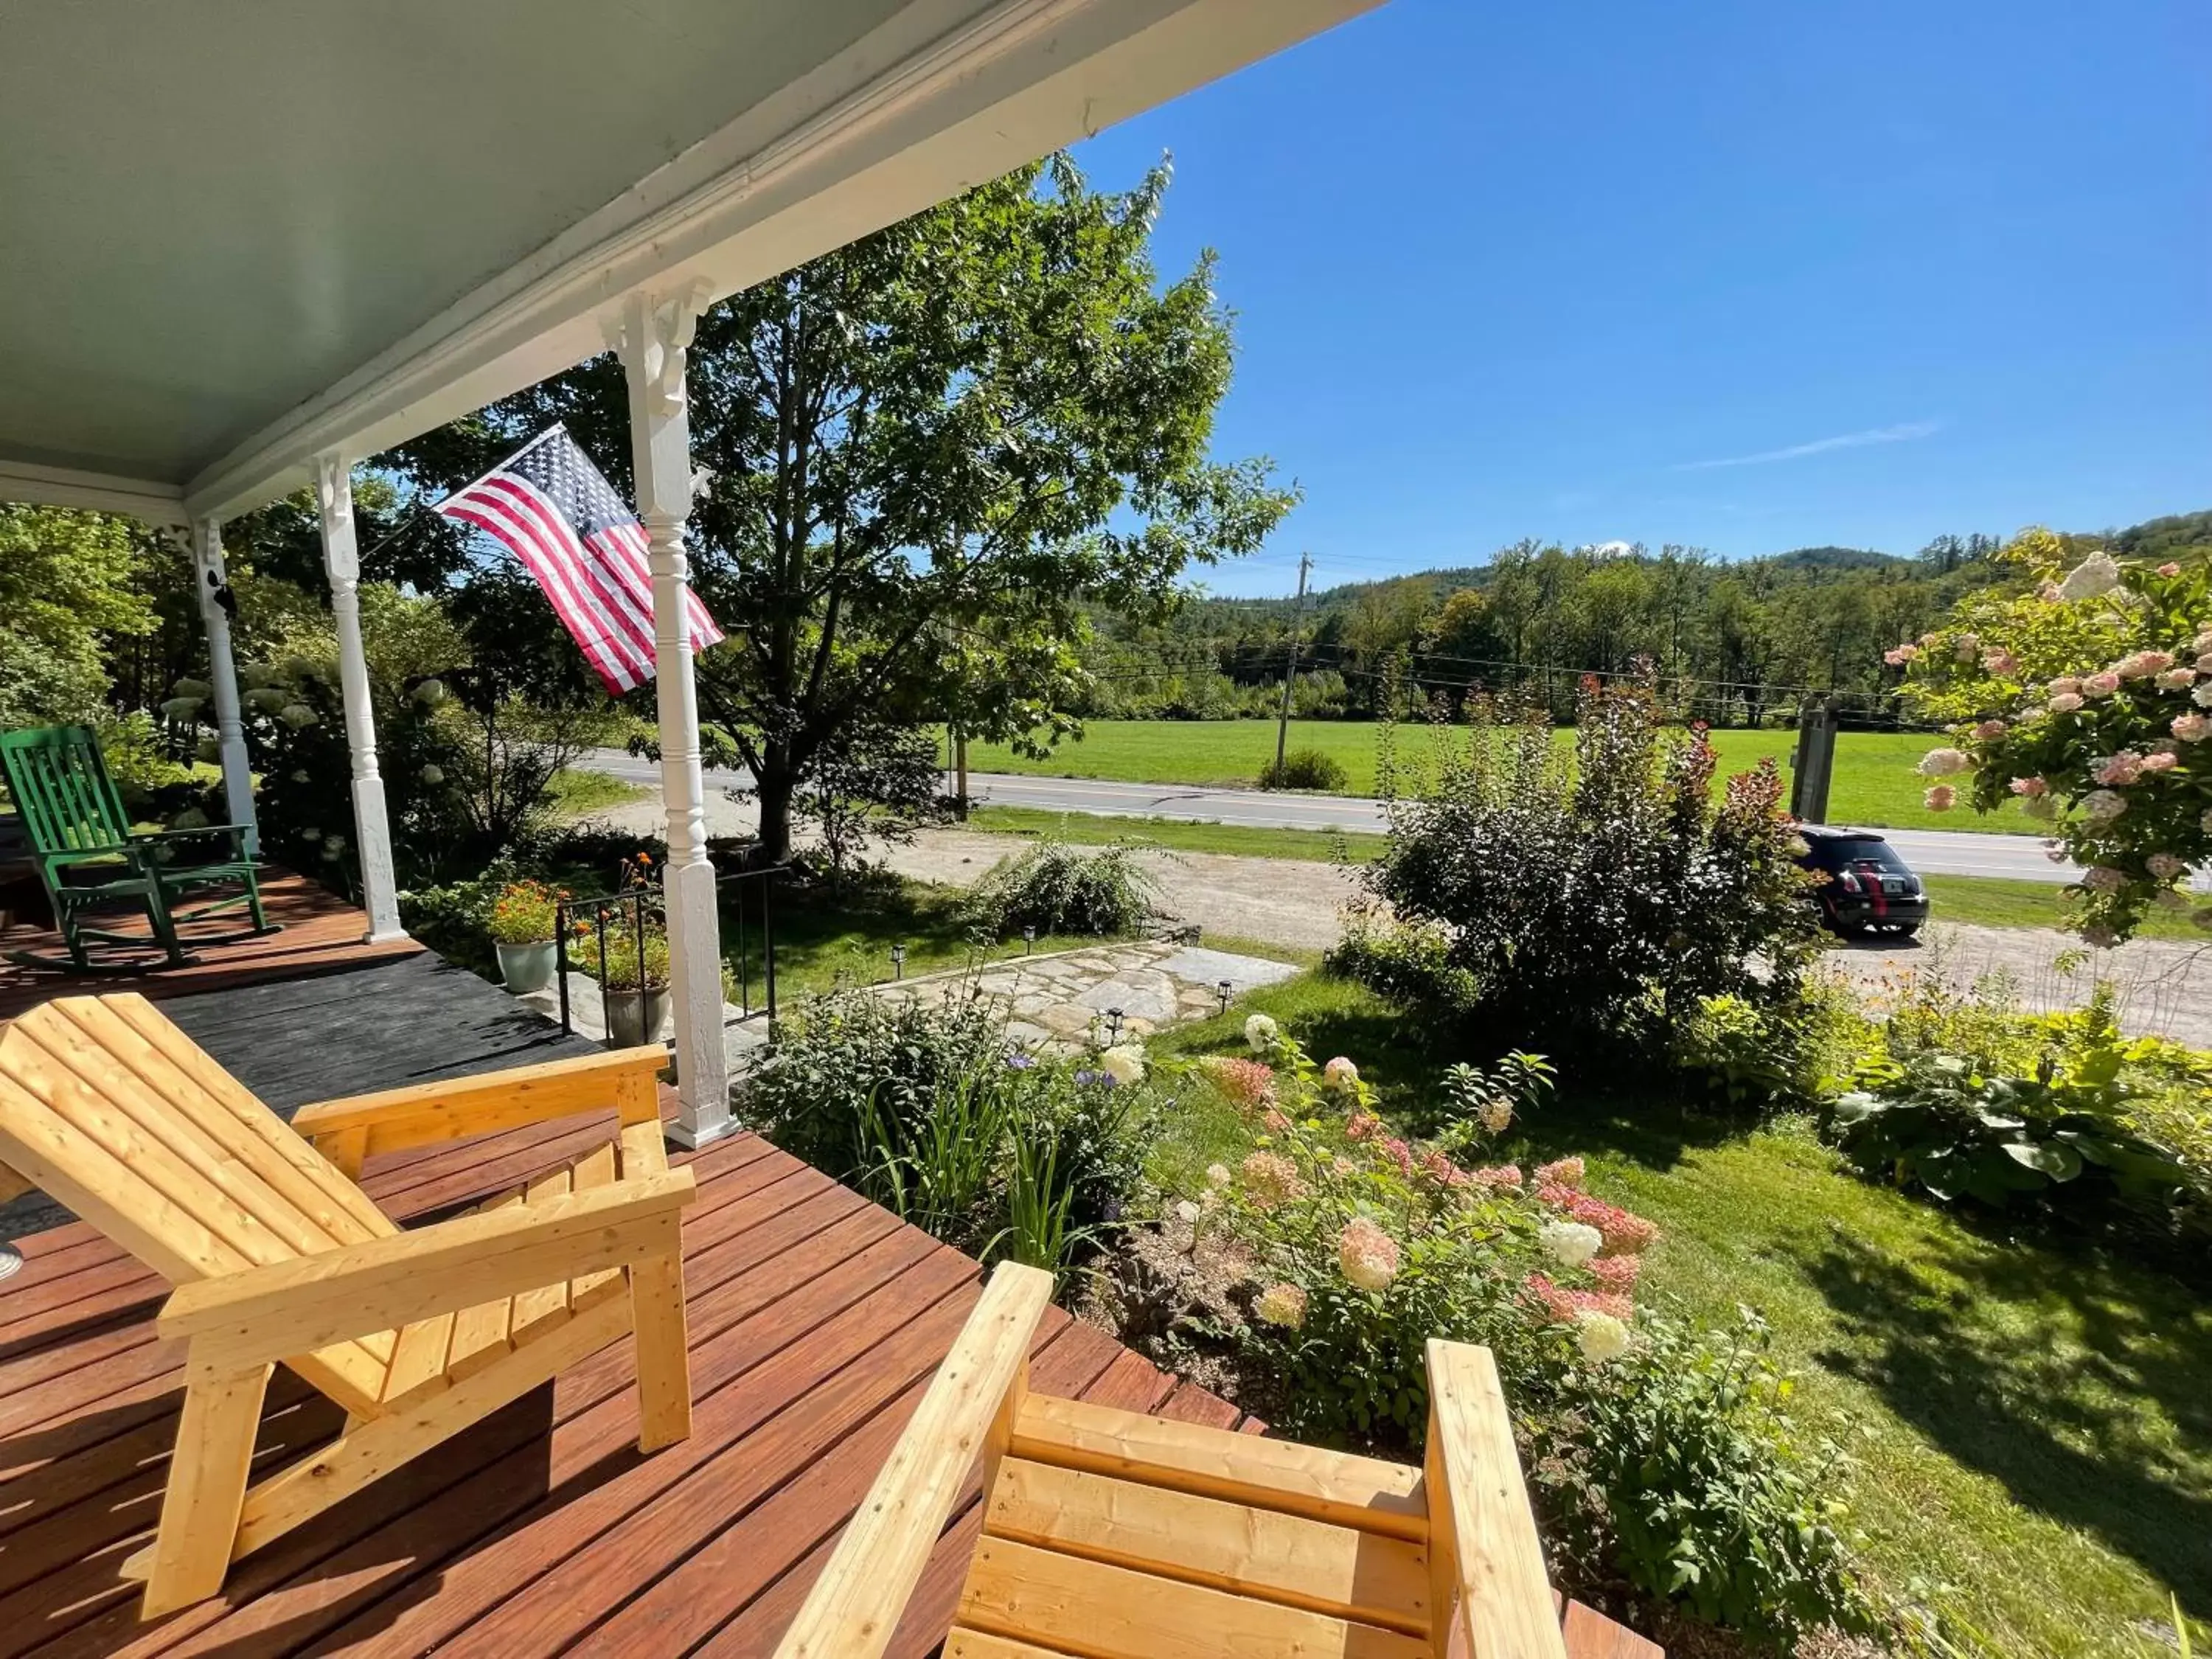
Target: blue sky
(1744,275)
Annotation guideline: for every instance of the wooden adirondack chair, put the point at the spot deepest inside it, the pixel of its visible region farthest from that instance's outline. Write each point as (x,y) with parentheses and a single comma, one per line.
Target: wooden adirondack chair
(1109,1535)
(88,857)
(278,1257)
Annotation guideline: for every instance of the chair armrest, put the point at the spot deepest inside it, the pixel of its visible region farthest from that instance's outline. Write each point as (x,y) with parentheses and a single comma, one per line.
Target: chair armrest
(264,1314)
(854,1609)
(1484,1553)
(622,1081)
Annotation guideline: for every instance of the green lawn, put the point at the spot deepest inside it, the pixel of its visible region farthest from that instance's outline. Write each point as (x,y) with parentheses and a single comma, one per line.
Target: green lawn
(1874,782)
(1996,902)
(1090,828)
(2032,1419)
(578,792)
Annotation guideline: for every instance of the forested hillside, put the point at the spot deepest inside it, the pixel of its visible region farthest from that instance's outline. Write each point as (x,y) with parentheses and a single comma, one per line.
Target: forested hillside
(1741,640)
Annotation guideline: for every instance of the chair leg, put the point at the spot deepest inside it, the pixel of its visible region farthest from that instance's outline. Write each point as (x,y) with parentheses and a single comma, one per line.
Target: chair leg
(664,1367)
(207,1488)
(165,927)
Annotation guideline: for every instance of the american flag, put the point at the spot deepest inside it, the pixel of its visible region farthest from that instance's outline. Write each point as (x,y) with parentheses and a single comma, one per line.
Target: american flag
(548,503)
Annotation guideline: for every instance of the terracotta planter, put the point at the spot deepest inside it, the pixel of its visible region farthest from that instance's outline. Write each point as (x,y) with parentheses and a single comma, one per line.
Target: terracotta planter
(635,1017)
(526,967)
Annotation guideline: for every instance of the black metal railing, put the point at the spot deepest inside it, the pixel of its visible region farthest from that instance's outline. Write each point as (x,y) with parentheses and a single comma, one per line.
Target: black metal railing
(639,913)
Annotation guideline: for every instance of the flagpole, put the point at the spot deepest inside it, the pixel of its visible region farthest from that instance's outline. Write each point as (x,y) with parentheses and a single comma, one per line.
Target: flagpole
(417,504)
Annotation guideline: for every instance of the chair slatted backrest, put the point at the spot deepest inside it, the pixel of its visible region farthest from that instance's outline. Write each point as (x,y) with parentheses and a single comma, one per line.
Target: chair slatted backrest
(60,779)
(109,1108)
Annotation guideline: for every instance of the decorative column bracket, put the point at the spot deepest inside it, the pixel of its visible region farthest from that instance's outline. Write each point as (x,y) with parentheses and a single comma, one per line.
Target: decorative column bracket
(652,335)
(372,827)
(216,607)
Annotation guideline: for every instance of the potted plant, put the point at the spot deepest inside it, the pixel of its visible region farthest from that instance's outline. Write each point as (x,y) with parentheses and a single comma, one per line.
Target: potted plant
(635,987)
(522,923)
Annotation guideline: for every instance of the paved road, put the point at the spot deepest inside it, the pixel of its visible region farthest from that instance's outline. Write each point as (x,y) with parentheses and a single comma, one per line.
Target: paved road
(1932,852)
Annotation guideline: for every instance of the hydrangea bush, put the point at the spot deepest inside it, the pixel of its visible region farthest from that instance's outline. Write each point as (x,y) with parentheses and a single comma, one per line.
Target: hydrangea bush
(2088,700)
(1660,1453)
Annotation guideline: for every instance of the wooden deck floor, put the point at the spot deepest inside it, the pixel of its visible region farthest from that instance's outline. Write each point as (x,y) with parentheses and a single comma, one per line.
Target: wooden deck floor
(321,933)
(816,1319)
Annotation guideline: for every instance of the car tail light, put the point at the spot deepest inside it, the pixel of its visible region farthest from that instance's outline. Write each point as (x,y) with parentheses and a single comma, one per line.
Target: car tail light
(1848,881)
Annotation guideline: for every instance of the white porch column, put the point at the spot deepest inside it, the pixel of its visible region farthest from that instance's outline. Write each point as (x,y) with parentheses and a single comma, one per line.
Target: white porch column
(222,675)
(652,335)
(372,828)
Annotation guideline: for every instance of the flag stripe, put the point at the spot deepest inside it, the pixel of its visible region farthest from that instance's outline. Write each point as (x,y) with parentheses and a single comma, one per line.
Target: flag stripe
(617,608)
(562,576)
(614,673)
(587,551)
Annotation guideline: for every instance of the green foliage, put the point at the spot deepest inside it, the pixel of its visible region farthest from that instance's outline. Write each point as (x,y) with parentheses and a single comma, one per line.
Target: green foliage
(1585,907)
(1769,1054)
(1056,888)
(65,586)
(931,1112)
(632,962)
(926,451)
(1678,1467)
(1304,768)
(454,919)
(1939,1123)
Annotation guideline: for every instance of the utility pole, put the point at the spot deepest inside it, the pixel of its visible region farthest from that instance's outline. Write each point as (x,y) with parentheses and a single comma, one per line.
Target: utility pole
(1815,762)
(1290,667)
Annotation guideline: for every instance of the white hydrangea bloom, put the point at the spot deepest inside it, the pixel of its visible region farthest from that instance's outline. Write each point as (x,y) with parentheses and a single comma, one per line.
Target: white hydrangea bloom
(1571,1243)
(1600,1336)
(2092,578)
(1260,1033)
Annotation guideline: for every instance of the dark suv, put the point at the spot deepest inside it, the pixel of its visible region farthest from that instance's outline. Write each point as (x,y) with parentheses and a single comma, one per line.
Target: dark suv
(1869,888)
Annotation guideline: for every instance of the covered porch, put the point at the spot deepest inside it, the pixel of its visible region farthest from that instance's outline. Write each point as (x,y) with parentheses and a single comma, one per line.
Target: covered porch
(248,250)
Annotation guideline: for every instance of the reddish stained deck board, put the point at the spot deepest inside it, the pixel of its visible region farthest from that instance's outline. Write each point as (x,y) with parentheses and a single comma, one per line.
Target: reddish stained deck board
(816,1320)
(321,932)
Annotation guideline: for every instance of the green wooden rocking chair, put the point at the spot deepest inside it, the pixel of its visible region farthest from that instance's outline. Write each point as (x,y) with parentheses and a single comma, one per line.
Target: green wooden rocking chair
(89,858)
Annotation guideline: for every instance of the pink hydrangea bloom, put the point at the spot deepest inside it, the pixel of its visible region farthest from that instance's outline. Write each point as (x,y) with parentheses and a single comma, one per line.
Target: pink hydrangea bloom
(1561,1172)
(1361,1125)
(2165,867)
(2065,702)
(1898,655)
(2169,568)
(1562,1303)
(1499,1177)
(2191,729)
(1940,798)
(1625,1233)
(2031,787)
(1367,1255)
(1988,729)
(1398,1153)
(1274,1123)
(2101,685)
(2142,664)
(1247,1081)
(2121,769)
(2000,661)
(1617,1273)
(1271,1179)
(2161,760)
(2177,679)
(2064,683)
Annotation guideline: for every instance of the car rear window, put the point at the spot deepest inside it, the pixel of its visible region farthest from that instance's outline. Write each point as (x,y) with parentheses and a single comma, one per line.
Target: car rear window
(1838,853)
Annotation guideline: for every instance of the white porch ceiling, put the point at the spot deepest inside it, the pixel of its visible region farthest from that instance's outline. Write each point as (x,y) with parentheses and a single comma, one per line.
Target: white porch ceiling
(234,234)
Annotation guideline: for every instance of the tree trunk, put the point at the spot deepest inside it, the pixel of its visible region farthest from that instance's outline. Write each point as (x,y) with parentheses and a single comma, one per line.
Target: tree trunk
(774,788)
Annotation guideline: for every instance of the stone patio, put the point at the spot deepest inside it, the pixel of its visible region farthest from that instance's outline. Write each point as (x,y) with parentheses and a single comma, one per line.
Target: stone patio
(1062,1003)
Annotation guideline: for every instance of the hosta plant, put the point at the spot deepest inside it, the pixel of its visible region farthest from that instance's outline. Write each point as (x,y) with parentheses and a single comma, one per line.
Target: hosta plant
(1939,1122)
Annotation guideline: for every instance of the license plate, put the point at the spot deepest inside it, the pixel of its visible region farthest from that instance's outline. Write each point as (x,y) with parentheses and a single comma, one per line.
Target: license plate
(1892,889)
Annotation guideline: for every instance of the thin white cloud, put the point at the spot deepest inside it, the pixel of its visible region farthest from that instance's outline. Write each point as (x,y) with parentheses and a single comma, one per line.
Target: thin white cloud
(1908,432)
